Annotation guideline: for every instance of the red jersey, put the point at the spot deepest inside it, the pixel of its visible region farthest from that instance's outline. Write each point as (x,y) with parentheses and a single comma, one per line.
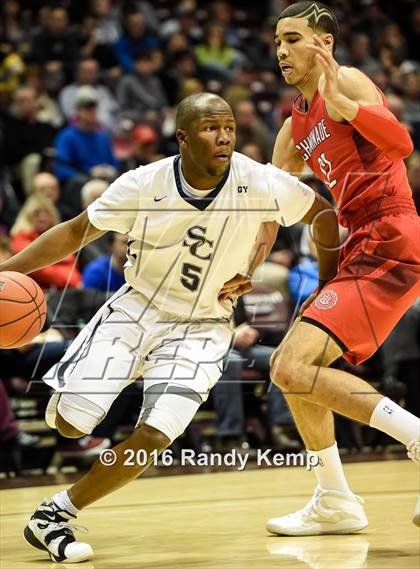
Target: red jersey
(378,276)
(358,174)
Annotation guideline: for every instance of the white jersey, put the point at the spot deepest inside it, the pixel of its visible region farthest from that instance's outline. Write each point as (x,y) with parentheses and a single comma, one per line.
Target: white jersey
(182,249)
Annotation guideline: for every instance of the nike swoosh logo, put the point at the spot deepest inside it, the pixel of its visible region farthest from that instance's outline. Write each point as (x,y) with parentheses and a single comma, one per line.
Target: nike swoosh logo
(159,199)
(49,516)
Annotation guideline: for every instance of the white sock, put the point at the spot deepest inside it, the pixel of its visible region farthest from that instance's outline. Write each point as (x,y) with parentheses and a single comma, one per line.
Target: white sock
(395,421)
(329,470)
(63,502)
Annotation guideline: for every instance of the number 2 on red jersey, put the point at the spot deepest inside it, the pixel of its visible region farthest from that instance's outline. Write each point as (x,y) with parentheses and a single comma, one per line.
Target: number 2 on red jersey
(326,168)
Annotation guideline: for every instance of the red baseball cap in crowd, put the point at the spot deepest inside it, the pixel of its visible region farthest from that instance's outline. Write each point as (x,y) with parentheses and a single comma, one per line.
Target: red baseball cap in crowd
(144,134)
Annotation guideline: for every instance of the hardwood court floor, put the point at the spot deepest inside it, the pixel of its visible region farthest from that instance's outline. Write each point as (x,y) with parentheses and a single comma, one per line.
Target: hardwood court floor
(216,521)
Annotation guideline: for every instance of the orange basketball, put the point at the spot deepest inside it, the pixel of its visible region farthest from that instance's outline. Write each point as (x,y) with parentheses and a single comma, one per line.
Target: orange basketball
(22,309)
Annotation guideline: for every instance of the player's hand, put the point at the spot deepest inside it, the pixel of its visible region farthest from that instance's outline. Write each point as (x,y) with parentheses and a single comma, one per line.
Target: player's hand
(328,82)
(308,301)
(239,285)
(244,337)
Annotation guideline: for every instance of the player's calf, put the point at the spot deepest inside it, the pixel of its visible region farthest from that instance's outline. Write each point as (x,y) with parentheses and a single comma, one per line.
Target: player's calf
(114,469)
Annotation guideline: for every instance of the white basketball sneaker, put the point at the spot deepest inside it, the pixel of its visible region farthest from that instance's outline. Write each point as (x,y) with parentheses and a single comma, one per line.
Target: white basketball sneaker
(413,452)
(328,512)
(50,530)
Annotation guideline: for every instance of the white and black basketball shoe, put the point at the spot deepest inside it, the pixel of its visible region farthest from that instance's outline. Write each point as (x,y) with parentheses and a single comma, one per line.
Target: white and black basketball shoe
(49,529)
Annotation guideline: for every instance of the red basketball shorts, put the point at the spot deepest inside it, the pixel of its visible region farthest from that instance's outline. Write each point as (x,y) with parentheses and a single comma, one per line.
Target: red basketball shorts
(377,282)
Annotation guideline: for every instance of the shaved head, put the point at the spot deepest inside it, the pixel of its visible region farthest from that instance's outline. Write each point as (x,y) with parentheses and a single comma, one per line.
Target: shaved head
(197,106)
(205,130)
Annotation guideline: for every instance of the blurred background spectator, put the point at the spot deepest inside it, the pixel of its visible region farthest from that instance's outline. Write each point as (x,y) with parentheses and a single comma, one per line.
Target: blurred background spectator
(56,43)
(137,37)
(144,147)
(251,129)
(106,273)
(140,94)
(37,216)
(83,148)
(87,73)
(216,58)
(24,138)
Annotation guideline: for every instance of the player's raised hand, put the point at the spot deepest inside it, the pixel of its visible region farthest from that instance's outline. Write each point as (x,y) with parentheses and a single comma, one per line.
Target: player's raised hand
(328,82)
(239,285)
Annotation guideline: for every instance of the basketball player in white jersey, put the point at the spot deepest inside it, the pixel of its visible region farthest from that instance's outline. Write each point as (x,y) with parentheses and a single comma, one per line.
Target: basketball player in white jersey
(192,222)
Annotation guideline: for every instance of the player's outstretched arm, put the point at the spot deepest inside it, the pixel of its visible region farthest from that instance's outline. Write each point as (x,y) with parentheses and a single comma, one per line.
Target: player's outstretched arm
(352,96)
(325,235)
(53,245)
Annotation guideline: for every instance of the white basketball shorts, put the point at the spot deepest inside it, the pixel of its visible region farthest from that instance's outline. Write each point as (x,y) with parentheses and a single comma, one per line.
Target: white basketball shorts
(129,338)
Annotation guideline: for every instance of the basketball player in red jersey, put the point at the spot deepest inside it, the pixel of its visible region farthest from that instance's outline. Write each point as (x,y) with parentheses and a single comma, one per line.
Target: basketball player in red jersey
(341,128)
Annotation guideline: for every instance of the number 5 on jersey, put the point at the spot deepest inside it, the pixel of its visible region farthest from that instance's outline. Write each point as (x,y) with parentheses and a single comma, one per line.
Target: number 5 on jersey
(201,248)
(190,276)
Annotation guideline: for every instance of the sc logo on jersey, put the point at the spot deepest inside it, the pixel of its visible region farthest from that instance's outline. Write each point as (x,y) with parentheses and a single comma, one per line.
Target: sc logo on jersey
(201,248)
(196,235)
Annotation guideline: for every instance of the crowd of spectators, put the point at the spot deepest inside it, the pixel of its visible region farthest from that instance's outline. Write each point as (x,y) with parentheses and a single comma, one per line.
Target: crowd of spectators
(89,90)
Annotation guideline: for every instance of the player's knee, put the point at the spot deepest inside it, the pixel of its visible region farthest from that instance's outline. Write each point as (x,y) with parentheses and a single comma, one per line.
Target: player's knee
(284,370)
(66,429)
(77,416)
(284,378)
(148,438)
